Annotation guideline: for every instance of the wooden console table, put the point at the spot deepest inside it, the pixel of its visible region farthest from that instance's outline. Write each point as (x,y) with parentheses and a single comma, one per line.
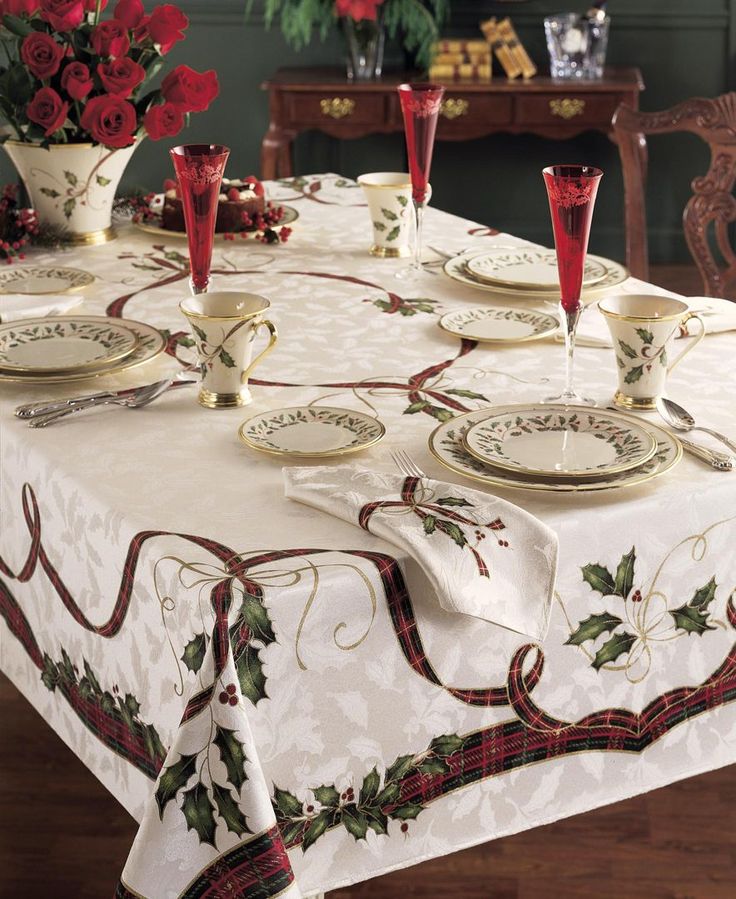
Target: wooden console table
(322,99)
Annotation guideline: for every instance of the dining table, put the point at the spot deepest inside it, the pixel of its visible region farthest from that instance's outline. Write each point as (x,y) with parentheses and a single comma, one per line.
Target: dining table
(275,694)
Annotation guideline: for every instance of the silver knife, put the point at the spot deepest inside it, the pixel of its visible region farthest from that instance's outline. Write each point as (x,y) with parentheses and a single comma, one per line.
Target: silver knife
(719,461)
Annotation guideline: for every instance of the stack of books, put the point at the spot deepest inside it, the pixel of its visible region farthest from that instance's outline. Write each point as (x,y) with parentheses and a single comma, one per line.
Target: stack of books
(470,60)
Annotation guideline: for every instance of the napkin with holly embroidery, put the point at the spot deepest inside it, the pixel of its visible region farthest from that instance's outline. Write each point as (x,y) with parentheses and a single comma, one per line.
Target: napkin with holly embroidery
(484,556)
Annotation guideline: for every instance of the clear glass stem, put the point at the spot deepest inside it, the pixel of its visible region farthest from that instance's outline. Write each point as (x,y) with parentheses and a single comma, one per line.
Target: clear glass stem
(571,320)
(197,290)
(419,220)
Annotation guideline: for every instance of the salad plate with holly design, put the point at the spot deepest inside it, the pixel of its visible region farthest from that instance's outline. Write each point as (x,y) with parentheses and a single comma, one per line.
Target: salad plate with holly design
(500,324)
(38,280)
(311,431)
(528,269)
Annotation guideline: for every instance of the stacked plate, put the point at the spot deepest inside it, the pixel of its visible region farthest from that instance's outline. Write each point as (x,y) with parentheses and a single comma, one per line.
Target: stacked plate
(530,273)
(73,348)
(560,448)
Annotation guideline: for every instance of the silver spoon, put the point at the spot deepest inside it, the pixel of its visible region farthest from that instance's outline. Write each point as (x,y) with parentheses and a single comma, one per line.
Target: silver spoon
(681,420)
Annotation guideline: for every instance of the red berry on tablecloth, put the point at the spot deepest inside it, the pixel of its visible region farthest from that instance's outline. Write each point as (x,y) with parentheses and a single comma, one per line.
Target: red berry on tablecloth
(233,700)
(404,827)
(223,697)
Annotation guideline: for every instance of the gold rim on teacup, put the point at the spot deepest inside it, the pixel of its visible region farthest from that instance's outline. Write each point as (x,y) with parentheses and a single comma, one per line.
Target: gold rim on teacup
(683,308)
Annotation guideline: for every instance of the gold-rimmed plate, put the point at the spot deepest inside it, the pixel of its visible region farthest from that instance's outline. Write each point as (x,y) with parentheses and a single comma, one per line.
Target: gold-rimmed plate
(446,445)
(528,269)
(151,343)
(44,346)
(313,432)
(40,280)
(559,441)
(499,324)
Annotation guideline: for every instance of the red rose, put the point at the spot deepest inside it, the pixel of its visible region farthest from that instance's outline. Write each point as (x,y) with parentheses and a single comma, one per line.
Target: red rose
(111,121)
(110,38)
(129,12)
(121,76)
(358,9)
(62,15)
(40,52)
(48,110)
(76,80)
(91,5)
(189,89)
(165,120)
(166,25)
(21,7)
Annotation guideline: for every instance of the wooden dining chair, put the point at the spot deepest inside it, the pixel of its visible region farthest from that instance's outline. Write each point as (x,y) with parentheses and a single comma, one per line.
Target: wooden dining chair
(712,203)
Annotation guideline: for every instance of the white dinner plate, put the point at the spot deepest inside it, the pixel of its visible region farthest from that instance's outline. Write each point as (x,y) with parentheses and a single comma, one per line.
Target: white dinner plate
(546,440)
(40,279)
(314,431)
(528,269)
(446,445)
(63,344)
(499,324)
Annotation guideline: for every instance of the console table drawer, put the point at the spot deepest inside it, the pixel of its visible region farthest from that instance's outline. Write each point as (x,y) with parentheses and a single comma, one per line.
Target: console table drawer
(471,111)
(573,109)
(330,107)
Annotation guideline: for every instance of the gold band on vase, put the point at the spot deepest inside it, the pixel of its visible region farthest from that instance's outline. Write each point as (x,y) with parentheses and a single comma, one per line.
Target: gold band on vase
(390,252)
(91,238)
(637,403)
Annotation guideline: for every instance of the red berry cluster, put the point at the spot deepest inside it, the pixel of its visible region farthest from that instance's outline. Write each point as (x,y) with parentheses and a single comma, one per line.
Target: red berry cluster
(17,226)
(636,596)
(348,795)
(142,208)
(228,695)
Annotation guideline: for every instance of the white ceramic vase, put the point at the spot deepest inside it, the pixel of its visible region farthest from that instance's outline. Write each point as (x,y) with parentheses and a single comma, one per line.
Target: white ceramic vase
(72,186)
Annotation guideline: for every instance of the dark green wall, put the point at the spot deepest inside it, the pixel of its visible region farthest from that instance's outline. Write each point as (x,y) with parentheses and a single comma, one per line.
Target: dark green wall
(684,48)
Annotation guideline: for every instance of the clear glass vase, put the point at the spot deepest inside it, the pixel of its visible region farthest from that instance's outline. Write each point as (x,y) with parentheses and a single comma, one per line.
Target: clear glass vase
(365,44)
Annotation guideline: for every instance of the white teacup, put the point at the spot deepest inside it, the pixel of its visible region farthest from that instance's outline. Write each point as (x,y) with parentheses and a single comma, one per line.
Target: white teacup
(224,327)
(389,203)
(644,328)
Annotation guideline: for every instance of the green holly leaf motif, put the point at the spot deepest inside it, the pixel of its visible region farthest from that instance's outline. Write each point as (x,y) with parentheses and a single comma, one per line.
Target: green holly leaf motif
(66,668)
(467,394)
(69,206)
(399,768)
(199,813)
(50,673)
(645,336)
(176,256)
(71,178)
(627,350)
(613,648)
(354,821)
(194,651)
(291,832)
(400,198)
(102,181)
(317,827)
(446,745)
(107,703)
(593,627)
(388,795)
(250,674)
(599,578)
(704,596)
(132,706)
(416,407)
(453,531)
(327,796)
(407,812)
(620,362)
(430,524)
(90,675)
(394,233)
(226,359)
(287,803)
(50,192)
(407,311)
(172,779)
(379,226)
(634,375)
(377,821)
(625,574)
(454,501)
(663,358)
(389,214)
(229,810)
(256,617)
(232,755)
(691,619)
(154,746)
(370,787)
(184,341)
(424,306)
(200,333)
(434,766)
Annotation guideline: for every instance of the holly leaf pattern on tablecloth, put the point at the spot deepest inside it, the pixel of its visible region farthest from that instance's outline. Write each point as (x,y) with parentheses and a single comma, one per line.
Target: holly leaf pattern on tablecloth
(407,812)
(704,596)
(199,813)
(250,674)
(354,821)
(613,648)
(466,394)
(327,796)
(286,803)
(194,651)
(317,827)
(599,578)
(625,574)
(172,779)
(593,627)
(232,755)
(229,811)
(691,619)
(429,523)
(399,768)
(371,785)
(446,745)
(452,530)
(454,501)
(257,619)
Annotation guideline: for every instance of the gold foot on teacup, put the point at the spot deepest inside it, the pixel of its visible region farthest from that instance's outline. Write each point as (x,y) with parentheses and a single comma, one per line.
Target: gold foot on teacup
(635,403)
(212,400)
(91,238)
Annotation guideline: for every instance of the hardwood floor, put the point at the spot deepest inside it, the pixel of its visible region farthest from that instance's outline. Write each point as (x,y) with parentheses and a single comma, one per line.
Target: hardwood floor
(62,836)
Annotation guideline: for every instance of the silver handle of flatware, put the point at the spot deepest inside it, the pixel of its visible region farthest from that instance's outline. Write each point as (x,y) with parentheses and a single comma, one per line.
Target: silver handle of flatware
(719,461)
(717,434)
(31,410)
(42,421)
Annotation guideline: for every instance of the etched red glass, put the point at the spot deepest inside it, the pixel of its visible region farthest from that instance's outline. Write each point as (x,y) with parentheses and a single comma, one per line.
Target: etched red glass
(199,169)
(571,190)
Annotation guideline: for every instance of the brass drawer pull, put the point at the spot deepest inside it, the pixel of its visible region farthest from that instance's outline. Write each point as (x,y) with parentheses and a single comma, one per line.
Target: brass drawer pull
(567,108)
(337,107)
(453,107)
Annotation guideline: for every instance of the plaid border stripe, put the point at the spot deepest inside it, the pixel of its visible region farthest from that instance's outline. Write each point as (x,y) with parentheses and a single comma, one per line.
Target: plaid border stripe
(19,624)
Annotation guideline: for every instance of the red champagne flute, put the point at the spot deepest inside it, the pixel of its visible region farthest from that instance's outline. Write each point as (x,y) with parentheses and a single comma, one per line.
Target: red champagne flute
(571,190)
(199,169)
(420,106)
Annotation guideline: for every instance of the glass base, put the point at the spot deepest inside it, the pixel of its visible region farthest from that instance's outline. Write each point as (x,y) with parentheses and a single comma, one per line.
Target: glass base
(570,399)
(410,273)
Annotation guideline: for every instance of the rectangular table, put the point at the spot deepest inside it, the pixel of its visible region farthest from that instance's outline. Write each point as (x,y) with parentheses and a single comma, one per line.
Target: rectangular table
(276,695)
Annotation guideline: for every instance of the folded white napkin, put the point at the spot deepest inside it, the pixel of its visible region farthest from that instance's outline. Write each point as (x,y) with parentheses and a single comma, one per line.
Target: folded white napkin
(484,556)
(16,306)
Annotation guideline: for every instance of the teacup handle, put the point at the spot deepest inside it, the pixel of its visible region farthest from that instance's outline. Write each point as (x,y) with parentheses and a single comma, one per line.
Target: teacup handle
(271,342)
(692,342)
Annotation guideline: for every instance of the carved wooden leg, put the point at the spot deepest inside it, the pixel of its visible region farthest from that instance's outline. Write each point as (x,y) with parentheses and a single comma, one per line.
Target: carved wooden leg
(275,154)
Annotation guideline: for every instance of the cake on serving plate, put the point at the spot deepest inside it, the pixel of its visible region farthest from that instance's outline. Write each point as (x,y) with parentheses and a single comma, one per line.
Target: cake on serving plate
(242,207)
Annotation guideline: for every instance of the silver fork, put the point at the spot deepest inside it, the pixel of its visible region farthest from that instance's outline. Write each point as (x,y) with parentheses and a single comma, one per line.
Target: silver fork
(406,465)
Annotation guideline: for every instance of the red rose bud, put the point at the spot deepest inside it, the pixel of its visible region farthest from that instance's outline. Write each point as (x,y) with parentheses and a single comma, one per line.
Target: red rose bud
(21,7)
(76,80)
(111,121)
(62,15)
(165,120)
(48,110)
(130,13)
(233,194)
(193,91)
(40,52)
(358,9)
(110,39)
(166,26)
(121,77)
